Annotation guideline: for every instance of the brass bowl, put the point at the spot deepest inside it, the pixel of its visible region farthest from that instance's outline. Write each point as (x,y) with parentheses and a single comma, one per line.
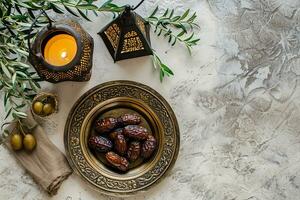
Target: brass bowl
(51,98)
(113,99)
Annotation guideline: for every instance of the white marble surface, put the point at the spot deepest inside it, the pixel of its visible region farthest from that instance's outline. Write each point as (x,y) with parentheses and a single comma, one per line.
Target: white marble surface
(237,101)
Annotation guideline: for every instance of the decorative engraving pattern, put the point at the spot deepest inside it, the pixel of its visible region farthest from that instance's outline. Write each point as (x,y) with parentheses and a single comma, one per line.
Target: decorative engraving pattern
(132,42)
(113,35)
(140,23)
(125,89)
(130,34)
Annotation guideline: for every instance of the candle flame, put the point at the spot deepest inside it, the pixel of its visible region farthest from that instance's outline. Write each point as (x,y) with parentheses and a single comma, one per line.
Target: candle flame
(63,54)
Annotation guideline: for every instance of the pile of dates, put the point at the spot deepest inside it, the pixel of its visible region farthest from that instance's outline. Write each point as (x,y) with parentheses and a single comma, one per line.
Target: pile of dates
(122,140)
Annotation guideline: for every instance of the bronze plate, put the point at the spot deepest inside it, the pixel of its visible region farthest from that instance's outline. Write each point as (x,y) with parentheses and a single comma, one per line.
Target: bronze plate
(113,99)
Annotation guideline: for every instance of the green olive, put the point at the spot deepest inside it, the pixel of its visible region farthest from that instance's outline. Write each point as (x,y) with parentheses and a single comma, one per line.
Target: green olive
(16,141)
(38,107)
(48,109)
(29,142)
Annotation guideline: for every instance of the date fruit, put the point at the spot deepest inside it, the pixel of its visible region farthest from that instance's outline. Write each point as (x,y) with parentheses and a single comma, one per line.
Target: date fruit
(129,119)
(100,144)
(148,147)
(120,144)
(113,135)
(135,132)
(110,123)
(106,124)
(134,151)
(117,161)
(123,141)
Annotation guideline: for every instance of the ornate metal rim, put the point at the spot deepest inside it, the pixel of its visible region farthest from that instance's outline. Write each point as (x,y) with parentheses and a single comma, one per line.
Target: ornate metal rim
(129,185)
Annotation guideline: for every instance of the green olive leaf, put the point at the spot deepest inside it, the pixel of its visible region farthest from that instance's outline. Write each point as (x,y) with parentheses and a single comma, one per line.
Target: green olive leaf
(5,70)
(83,15)
(87,7)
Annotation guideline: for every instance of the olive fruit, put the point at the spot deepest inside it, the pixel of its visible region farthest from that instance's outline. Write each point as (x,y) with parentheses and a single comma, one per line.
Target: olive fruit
(29,142)
(38,107)
(47,109)
(16,141)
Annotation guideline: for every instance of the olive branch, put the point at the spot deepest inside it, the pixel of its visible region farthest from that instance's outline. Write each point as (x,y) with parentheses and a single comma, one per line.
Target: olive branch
(18,80)
(178,28)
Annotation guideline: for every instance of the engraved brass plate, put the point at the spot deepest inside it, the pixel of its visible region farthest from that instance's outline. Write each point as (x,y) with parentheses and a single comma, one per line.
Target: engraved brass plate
(113,99)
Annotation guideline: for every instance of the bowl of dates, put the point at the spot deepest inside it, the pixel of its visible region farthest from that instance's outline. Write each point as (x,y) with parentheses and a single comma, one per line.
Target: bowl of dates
(123,142)
(121,137)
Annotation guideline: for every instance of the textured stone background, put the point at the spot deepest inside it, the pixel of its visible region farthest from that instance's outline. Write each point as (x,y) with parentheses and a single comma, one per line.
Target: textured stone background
(237,101)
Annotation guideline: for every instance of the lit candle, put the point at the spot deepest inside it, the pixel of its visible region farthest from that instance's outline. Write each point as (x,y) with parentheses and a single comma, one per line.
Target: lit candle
(60,49)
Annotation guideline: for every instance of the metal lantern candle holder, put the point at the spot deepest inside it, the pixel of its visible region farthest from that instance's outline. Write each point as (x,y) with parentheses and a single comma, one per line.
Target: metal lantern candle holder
(78,68)
(127,36)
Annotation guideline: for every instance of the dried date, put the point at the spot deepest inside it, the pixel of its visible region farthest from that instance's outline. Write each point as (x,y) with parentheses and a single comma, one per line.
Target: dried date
(100,144)
(135,132)
(134,151)
(129,119)
(148,147)
(113,135)
(120,144)
(117,161)
(106,124)
(110,123)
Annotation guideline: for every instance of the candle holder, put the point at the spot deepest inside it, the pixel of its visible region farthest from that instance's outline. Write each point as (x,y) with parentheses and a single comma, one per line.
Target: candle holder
(62,51)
